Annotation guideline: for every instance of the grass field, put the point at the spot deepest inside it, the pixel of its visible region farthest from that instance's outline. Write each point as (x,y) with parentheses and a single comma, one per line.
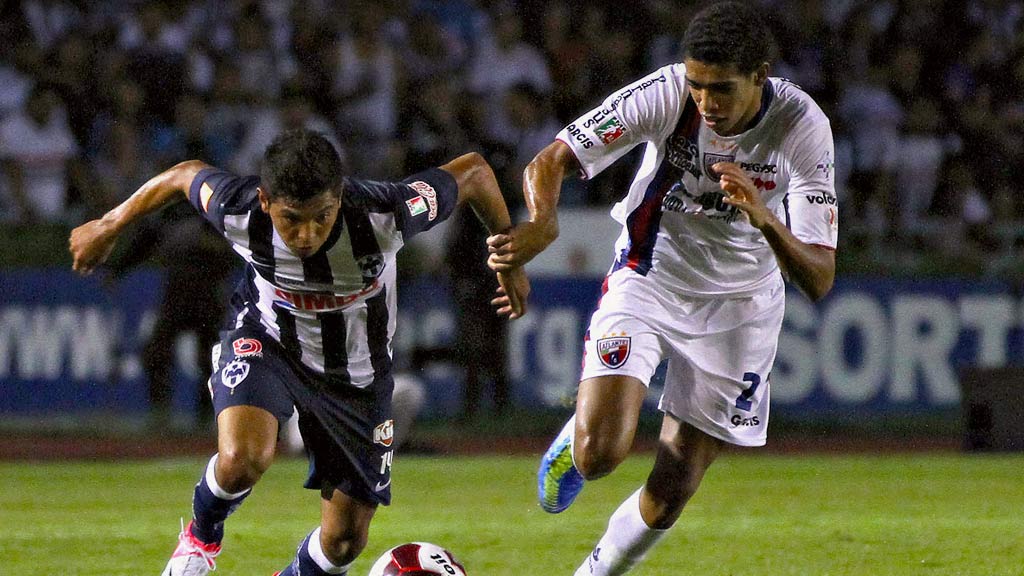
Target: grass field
(755,514)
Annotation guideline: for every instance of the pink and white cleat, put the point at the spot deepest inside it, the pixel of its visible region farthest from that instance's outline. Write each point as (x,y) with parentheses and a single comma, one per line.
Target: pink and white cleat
(191,557)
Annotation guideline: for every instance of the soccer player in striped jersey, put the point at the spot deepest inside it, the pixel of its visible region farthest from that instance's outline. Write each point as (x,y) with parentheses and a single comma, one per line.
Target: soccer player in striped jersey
(735,190)
(311,326)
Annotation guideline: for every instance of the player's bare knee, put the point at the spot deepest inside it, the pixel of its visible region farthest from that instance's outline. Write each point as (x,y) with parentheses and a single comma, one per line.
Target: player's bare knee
(240,469)
(343,546)
(595,457)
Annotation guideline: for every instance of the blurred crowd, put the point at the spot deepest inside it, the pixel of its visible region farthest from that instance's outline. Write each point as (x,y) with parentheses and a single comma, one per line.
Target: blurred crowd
(926,97)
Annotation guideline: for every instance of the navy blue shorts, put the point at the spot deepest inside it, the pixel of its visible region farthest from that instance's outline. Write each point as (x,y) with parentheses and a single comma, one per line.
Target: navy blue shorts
(347,430)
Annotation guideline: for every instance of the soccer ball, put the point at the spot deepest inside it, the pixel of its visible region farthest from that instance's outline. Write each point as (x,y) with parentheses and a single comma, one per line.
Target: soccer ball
(417,559)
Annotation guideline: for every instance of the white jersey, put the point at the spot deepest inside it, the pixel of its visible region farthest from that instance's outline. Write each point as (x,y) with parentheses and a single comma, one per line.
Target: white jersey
(676,228)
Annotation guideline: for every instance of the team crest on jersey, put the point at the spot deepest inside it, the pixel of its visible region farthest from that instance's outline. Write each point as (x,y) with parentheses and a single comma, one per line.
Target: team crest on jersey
(371,266)
(247,347)
(234,373)
(710,159)
(614,351)
(427,193)
(384,433)
(610,130)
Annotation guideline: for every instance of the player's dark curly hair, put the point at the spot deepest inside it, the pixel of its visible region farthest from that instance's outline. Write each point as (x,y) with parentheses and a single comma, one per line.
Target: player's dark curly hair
(729,33)
(301,164)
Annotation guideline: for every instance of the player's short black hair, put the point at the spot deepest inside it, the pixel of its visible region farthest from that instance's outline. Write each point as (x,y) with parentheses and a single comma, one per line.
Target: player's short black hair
(299,165)
(730,33)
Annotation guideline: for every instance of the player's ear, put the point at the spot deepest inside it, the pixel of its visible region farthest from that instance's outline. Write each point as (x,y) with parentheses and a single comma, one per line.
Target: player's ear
(761,74)
(264,199)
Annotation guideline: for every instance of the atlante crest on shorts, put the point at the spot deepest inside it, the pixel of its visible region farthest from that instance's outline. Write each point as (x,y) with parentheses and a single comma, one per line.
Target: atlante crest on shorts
(613,352)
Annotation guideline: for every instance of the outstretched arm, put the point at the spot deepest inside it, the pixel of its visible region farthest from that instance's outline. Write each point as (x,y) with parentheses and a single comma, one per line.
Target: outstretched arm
(479,187)
(91,243)
(542,182)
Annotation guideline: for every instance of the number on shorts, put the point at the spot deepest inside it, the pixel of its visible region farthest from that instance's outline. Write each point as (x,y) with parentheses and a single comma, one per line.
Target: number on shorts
(743,400)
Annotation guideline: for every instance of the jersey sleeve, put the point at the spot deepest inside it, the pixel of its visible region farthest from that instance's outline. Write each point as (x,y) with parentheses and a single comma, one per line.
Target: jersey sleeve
(637,113)
(216,193)
(419,202)
(812,209)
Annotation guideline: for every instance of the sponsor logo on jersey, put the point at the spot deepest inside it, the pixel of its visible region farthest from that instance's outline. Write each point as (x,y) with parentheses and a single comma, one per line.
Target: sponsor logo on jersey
(758,168)
(823,198)
(234,373)
(247,347)
(610,131)
(708,204)
(767,185)
(682,153)
(710,159)
(744,421)
(384,433)
(426,191)
(826,166)
(626,93)
(319,301)
(577,134)
(614,351)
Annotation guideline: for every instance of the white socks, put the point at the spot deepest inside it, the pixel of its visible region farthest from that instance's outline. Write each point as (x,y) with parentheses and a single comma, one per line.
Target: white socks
(316,552)
(211,481)
(624,544)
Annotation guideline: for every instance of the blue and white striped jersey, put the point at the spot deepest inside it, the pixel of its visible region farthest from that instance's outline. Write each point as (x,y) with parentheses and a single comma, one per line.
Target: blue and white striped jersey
(334,311)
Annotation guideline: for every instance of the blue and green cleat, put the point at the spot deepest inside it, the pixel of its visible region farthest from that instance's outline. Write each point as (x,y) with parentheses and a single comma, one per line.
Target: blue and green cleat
(558,480)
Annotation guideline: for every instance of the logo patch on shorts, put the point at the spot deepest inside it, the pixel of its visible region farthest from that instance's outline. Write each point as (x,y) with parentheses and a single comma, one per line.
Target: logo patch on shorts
(234,373)
(384,433)
(247,347)
(613,352)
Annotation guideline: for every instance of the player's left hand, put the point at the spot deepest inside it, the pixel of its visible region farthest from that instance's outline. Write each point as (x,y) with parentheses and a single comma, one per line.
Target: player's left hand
(513,290)
(741,192)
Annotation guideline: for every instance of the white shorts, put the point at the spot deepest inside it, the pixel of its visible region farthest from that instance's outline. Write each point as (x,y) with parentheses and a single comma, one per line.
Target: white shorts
(720,351)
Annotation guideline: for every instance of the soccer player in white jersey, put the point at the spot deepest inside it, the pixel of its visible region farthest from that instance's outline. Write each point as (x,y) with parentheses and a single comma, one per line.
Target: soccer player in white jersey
(734,192)
(311,326)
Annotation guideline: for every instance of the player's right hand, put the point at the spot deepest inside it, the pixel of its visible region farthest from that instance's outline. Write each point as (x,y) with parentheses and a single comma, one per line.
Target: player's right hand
(518,245)
(90,245)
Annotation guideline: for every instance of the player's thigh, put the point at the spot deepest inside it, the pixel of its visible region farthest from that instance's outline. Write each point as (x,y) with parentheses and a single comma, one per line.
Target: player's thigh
(622,349)
(247,437)
(607,411)
(250,398)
